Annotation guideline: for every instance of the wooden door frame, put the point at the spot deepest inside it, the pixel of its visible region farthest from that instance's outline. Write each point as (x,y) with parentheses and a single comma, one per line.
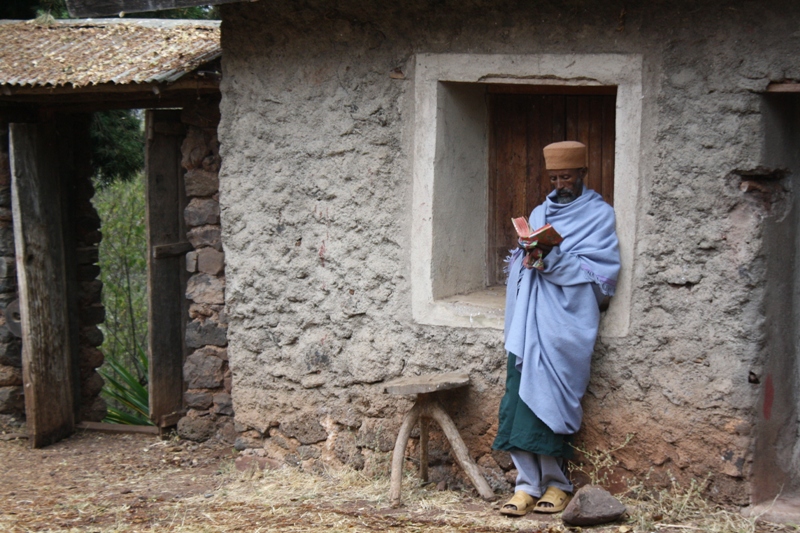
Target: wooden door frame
(49,361)
(166,273)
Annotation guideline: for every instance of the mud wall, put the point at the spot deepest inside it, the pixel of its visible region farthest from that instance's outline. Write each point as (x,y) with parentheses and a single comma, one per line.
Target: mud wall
(315,188)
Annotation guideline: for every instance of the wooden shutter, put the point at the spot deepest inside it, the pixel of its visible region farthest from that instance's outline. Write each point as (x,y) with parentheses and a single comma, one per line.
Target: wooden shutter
(523,124)
(166,200)
(47,363)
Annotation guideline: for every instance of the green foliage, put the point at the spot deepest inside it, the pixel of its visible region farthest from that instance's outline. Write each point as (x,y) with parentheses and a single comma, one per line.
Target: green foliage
(123,270)
(55,8)
(123,389)
(117,145)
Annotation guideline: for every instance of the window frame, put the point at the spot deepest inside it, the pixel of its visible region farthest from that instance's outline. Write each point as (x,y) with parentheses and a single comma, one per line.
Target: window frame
(434,176)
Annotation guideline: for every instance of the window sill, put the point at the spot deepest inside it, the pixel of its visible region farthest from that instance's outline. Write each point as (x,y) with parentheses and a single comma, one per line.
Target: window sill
(479,309)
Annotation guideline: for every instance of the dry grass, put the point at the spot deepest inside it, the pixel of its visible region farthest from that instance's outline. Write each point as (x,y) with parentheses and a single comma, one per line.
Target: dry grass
(124,484)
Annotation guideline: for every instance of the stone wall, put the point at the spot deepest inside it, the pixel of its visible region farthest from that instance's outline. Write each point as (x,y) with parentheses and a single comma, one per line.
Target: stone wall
(91,312)
(205,371)
(12,401)
(317,140)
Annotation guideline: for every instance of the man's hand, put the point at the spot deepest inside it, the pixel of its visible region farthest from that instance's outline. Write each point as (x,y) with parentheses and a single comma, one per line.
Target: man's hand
(545,249)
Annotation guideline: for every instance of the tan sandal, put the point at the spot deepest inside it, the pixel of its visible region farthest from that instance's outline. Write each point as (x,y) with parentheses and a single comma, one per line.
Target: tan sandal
(519,504)
(555,497)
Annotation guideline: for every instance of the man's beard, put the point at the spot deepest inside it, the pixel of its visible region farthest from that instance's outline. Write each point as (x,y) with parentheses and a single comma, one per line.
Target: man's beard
(564,196)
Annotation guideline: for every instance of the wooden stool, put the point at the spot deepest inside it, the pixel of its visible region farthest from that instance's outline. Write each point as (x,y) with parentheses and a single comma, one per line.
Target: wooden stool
(427,407)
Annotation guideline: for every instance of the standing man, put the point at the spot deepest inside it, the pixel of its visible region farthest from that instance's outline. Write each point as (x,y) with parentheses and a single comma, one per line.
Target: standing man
(551,322)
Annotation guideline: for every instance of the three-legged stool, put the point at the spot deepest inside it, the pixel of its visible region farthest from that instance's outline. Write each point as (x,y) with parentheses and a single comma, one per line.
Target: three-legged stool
(428,407)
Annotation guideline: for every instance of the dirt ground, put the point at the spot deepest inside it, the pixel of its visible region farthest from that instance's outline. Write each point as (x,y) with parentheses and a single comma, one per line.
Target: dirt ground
(101,483)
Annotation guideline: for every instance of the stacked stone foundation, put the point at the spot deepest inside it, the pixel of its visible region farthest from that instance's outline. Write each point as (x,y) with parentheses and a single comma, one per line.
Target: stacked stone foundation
(206,372)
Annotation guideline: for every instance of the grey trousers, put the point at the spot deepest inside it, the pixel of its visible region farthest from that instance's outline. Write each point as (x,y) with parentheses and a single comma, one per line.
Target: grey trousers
(536,472)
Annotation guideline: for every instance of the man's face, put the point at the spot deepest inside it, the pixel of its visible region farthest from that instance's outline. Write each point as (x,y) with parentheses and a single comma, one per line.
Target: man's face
(568,183)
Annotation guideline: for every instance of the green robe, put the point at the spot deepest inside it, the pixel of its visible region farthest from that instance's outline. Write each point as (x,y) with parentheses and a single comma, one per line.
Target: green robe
(520,428)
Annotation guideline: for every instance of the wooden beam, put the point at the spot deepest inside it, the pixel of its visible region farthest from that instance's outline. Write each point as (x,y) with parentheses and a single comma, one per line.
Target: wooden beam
(783,88)
(38,236)
(166,200)
(163,251)
(66,105)
(551,89)
(117,428)
(96,8)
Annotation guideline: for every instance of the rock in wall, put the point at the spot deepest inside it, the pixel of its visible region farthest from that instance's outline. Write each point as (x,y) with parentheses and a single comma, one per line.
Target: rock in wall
(91,312)
(205,370)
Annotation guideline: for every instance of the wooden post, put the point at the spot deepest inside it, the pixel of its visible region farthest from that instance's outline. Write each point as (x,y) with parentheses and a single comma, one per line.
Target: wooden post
(166,200)
(46,358)
(398,455)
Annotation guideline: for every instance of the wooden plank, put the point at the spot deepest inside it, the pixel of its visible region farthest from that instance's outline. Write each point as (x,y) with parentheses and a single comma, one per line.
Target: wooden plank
(98,8)
(572,118)
(427,383)
(783,87)
(171,419)
(510,174)
(545,128)
(534,154)
(163,251)
(89,105)
(559,104)
(609,140)
(117,428)
(36,205)
(502,88)
(493,269)
(517,171)
(165,288)
(595,144)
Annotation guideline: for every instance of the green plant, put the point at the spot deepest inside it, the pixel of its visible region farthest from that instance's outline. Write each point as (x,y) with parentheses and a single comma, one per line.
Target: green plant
(123,388)
(123,271)
(117,145)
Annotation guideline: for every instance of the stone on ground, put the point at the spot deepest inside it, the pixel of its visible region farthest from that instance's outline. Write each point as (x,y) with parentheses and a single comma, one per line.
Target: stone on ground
(591,506)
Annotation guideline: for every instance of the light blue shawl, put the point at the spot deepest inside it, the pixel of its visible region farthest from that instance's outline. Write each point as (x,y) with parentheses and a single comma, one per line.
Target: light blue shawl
(552,315)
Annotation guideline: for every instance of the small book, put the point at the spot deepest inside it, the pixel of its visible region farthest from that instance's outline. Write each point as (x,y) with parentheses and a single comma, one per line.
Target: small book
(546,235)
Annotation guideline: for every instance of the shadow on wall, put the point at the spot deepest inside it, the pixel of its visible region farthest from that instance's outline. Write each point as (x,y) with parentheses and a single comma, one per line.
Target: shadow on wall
(776,466)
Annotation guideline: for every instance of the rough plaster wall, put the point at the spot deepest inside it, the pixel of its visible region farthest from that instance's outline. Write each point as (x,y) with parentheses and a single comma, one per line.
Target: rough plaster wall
(315,190)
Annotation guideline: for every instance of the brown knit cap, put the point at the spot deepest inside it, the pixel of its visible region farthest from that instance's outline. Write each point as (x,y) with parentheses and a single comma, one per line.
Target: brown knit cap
(564,155)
